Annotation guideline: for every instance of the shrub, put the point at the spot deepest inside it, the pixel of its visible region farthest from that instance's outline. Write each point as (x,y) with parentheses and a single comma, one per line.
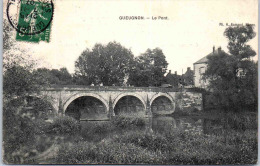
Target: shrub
(23,137)
(242,122)
(96,131)
(145,140)
(139,147)
(64,125)
(128,122)
(17,131)
(106,152)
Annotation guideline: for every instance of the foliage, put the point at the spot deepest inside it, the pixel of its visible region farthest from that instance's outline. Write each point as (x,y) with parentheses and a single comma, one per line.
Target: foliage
(148,69)
(128,122)
(38,108)
(64,125)
(96,131)
(19,81)
(13,55)
(238,37)
(104,152)
(112,64)
(55,76)
(233,78)
(148,141)
(138,147)
(104,64)
(19,130)
(22,136)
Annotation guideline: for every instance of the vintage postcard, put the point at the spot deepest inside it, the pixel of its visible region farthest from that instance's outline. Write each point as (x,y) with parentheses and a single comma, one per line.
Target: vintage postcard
(130,82)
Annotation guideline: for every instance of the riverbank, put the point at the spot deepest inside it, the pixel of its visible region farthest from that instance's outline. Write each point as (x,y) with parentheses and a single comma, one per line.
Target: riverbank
(228,139)
(129,141)
(137,147)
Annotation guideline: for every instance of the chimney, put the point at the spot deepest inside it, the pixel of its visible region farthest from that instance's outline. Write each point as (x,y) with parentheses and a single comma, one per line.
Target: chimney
(170,71)
(213,49)
(175,73)
(219,49)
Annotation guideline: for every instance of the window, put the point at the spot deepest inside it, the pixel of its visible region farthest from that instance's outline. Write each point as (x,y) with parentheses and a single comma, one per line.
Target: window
(202,70)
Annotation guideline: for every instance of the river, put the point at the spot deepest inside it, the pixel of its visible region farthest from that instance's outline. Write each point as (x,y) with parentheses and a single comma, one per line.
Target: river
(164,124)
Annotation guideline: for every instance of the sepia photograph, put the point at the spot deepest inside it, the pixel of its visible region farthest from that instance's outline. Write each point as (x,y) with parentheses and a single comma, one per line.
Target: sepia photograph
(130,82)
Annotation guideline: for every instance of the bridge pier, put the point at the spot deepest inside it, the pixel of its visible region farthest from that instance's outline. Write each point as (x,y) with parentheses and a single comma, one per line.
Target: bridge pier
(111,112)
(60,110)
(148,111)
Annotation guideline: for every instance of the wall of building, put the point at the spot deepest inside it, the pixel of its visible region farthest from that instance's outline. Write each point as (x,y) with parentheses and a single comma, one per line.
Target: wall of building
(198,81)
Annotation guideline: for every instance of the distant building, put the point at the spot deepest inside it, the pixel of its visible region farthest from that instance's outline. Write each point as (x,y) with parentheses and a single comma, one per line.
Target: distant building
(188,77)
(180,80)
(200,68)
(173,79)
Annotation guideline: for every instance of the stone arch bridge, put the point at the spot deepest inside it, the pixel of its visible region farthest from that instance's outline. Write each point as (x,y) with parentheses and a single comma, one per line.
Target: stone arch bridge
(113,99)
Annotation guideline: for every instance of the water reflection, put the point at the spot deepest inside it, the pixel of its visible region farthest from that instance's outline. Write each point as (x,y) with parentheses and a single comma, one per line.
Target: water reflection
(162,125)
(98,130)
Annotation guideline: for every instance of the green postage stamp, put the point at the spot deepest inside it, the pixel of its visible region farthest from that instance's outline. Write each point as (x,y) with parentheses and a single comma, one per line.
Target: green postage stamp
(31,19)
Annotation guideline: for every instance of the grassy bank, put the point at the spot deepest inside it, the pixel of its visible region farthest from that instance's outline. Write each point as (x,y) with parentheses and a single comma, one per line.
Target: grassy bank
(138,147)
(130,141)
(134,145)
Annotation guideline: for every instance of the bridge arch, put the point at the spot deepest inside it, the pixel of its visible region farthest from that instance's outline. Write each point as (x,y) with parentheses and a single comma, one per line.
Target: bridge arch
(163,95)
(129,94)
(78,95)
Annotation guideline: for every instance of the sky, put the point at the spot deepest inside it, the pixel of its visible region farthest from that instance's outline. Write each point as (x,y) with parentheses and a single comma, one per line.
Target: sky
(189,33)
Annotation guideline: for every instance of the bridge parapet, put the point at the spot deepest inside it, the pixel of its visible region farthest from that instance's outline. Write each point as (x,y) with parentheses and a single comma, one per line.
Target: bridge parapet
(109,88)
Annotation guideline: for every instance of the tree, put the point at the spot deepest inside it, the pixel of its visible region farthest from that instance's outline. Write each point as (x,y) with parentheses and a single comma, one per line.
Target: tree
(18,81)
(13,54)
(148,69)
(238,37)
(104,64)
(233,78)
(62,75)
(55,76)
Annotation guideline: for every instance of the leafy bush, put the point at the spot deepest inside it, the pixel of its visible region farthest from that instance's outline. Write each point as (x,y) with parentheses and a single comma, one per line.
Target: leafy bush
(105,152)
(144,139)
(17,131)
(128,122)
(96,131)
(242,122)
(64,125)
(23,137)
(173,148)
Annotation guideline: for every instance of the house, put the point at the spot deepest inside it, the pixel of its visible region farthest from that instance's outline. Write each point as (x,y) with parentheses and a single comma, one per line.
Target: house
(173,79)
(188,77)
(200,68)
(180,80)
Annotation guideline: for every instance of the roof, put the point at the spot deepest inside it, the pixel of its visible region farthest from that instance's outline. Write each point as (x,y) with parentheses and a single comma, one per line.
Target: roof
(202,60)
(205,58)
